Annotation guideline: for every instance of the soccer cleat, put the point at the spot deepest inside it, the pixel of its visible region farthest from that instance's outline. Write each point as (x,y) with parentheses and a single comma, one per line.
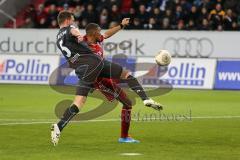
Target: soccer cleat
(55,134)
(128,140)
(151,103)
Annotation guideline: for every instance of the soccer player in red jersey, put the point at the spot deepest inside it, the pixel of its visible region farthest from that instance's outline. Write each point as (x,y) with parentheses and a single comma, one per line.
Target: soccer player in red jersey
(109,86)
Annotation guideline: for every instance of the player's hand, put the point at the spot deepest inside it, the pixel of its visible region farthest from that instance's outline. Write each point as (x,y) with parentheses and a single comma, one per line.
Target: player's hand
(125,21)
(79,38)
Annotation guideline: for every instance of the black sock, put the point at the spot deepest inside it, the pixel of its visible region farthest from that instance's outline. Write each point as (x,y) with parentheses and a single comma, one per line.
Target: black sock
(67,116)
(136,87)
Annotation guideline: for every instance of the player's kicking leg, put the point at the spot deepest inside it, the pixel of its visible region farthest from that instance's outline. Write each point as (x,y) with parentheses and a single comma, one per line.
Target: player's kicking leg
(115,71)
(138,89)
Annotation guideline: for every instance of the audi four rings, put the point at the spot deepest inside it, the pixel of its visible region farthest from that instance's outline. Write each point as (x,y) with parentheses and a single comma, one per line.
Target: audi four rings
(189,47)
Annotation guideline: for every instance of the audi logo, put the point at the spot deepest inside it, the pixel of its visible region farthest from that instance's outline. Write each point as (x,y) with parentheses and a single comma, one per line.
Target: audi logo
(189,47)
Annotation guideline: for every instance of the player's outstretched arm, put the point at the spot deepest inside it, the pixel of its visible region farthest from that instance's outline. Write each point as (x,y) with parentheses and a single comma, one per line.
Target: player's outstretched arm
(110,32)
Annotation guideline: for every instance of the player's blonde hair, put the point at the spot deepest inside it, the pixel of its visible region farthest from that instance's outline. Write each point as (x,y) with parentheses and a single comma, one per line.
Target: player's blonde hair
(63,15)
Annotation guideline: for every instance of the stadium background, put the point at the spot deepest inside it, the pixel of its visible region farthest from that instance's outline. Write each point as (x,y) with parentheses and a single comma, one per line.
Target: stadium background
(201,35)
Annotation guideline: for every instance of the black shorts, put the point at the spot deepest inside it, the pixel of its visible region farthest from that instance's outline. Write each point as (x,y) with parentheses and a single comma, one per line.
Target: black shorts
(111,70)
(89,68)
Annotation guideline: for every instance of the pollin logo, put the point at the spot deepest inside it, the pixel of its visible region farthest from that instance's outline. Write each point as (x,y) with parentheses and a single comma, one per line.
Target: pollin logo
(180,74)
(24,70)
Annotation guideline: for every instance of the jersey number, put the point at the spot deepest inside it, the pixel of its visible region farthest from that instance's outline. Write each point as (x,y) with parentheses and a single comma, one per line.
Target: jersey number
(65,49)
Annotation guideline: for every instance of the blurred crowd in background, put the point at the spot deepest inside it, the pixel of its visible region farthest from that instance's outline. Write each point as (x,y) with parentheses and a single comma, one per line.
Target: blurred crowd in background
(145,14)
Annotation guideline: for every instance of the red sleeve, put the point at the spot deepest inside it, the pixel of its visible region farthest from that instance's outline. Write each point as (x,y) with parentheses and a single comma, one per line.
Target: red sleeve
(102,38)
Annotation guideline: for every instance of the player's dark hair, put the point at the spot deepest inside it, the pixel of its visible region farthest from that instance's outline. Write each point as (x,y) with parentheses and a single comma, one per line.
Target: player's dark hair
(63,15)
(91,27)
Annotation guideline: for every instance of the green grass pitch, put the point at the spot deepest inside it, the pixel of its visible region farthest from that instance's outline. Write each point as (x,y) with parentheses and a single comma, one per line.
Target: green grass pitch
(213,132)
